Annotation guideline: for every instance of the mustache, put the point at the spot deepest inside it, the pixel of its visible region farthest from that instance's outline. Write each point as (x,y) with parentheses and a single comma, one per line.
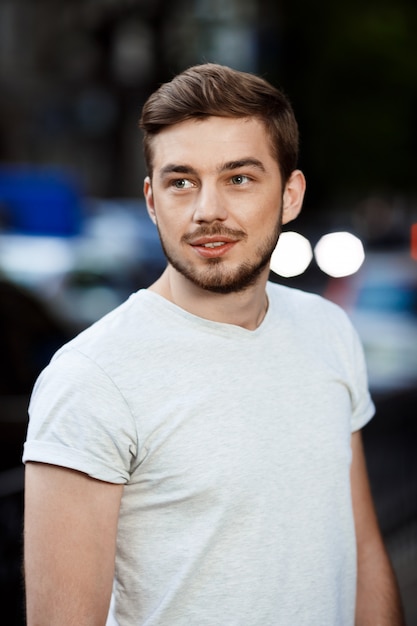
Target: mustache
(214,229)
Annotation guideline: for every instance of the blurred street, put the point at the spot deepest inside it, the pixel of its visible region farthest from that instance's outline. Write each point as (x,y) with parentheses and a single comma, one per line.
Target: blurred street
(390,445)
(75,238)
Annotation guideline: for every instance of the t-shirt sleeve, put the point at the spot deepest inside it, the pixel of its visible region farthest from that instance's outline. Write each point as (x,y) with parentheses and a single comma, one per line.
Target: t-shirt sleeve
(363,407)
(79,419)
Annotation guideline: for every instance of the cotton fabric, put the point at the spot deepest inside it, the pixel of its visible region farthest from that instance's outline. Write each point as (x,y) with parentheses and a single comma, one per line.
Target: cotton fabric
(234,450)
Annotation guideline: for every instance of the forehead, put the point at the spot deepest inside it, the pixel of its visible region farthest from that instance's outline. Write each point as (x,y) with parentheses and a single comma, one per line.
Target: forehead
(211,141)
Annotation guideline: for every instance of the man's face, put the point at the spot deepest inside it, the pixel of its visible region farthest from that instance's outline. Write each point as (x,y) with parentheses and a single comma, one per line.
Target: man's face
(216,198)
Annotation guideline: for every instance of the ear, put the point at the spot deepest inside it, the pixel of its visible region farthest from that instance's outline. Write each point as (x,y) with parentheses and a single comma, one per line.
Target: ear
(148,193)
(293,196)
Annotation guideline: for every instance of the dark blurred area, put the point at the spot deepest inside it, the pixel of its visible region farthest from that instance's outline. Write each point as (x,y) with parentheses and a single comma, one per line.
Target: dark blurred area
(75,239)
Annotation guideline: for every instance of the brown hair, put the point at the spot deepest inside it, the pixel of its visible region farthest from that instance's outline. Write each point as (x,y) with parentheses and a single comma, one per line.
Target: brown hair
(210,89)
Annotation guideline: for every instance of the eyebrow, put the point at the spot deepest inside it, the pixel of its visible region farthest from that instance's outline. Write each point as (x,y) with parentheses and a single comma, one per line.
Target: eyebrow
(174,168)
(234,165)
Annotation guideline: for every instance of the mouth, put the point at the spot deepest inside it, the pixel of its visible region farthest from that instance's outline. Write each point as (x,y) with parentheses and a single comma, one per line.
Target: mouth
(213,244)
(213,247)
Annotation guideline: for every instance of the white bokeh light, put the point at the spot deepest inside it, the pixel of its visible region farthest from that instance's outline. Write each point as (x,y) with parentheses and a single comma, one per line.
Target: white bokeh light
(292,255)
(339,254)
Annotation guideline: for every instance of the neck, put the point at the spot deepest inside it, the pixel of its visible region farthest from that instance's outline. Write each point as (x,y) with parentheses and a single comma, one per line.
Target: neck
(246,308)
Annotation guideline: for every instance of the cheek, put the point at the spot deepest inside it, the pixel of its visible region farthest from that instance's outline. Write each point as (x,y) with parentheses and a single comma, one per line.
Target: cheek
(170,225)
(170,211)
(266,218)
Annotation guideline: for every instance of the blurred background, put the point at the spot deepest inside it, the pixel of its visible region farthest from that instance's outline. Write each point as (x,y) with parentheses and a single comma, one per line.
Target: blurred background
(75,239)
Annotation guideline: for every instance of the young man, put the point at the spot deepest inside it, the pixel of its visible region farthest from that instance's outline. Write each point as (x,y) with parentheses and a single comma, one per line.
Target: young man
(195,457)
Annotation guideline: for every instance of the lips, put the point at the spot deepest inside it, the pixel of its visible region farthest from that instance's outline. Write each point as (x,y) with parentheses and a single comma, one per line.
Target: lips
(210,240)
(214,241)
(213,247)
(214,244)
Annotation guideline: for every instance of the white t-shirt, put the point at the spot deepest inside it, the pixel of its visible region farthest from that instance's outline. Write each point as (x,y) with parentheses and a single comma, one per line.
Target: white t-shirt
(234,449)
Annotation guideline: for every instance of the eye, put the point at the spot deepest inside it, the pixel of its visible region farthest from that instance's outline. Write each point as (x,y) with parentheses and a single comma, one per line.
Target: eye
(182,183)
(239,179)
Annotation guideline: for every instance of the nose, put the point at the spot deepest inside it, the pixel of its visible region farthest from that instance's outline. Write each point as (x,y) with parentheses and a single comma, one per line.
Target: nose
(209,205)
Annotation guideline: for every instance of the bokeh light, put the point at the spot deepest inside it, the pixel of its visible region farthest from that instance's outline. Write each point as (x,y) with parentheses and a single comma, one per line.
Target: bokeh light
(292,255)
(339,254)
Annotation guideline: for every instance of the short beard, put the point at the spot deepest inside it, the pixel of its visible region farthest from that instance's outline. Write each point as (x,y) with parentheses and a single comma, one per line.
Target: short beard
(215,277)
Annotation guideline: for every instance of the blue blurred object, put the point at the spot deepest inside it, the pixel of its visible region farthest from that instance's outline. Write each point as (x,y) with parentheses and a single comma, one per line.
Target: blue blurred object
(381,299)
(43,201)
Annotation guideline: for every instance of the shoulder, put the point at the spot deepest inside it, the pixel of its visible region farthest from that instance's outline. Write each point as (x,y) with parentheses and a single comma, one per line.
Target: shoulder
(306,305)
(119,344)
(116,331)
(313,320)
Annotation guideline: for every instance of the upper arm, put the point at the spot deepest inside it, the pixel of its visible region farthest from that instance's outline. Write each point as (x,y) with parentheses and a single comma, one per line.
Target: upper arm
(70,542)
(366,523)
